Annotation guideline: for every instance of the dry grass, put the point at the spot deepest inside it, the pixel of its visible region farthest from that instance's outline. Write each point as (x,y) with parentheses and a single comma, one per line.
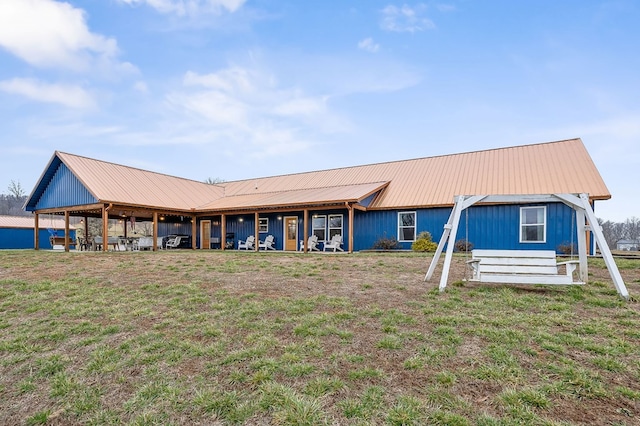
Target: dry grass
(208,337)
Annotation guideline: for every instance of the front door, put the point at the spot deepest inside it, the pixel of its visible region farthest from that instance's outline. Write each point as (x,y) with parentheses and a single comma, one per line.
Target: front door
(205,234)
(291,233)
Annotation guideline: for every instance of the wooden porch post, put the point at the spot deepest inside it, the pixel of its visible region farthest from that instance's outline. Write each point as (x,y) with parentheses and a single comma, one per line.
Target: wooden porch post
(194,229)
(256,246)
(223,231)
(66,230)
(36,234)
(350,208)
(305,217)
(155,231)
(105,229)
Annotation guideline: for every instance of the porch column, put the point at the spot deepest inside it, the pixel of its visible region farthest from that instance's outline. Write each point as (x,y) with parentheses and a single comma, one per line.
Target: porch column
(223,231)
(350,208)
(105,229)
(155,231)
(256,246)
(194,229)
(305,217)
(36,233)
(86,233)
(66,230)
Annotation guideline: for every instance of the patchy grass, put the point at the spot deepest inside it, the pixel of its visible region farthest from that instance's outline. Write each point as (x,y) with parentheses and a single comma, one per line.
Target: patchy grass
(207,337)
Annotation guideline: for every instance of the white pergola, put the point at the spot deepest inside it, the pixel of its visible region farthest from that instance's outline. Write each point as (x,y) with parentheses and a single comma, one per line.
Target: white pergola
(585,221)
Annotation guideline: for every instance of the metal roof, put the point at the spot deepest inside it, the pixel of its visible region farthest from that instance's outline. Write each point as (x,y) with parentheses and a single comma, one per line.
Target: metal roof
(29,222)
(297,197)
(115,183)
(552,167)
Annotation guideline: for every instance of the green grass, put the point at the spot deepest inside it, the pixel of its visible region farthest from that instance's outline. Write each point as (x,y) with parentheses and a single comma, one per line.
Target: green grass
(188,337)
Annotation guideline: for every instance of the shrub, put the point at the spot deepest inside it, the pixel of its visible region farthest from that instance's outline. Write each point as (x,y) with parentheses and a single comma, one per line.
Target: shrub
(463,245)
(384,243)
(567,248)
(424,243)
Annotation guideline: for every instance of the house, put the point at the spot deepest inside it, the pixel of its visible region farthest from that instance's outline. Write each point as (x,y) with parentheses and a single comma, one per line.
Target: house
(363,203)
(17,232)
(628,245)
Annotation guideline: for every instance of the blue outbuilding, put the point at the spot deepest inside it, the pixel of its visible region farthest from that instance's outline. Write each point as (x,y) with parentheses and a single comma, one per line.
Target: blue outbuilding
(17,232)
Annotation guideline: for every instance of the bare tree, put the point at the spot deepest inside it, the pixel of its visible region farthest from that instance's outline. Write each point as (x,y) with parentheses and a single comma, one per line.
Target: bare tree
(612,231)
(214,181)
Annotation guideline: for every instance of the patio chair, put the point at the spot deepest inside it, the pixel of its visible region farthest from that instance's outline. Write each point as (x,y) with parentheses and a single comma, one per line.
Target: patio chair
(173,242)
(248,244)
(312,243)
(268,243)
(335,243)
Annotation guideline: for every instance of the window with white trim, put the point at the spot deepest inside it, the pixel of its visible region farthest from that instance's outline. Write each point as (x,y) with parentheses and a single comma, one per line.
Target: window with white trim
(533,224)
(335,225)
(263,224)
(406,226)
(319,227)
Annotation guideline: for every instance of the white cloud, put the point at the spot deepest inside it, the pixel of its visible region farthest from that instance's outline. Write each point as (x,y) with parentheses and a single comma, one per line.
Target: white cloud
(405,19)
(51,34)
(67,95)
(141,86)
(368,45)
(189,7)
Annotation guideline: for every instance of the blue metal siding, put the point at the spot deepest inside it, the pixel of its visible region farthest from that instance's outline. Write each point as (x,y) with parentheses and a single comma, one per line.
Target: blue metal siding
(22,238)
(495,227)
(64,190)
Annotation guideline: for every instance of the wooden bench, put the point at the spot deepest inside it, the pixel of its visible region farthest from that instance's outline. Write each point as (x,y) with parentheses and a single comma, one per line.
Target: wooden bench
(59,241)
(520,267)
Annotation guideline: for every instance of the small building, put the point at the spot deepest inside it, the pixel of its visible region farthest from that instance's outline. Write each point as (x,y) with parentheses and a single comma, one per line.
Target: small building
(17,232)
(361,204)
(628,245)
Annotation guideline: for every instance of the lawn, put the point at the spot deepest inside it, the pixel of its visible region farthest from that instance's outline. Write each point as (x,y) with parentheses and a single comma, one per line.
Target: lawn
(209,337)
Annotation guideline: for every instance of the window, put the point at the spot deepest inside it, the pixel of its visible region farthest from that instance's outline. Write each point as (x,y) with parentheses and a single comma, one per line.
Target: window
(319,227)
(263,224)
(335,225)
(406,226)
(533,224)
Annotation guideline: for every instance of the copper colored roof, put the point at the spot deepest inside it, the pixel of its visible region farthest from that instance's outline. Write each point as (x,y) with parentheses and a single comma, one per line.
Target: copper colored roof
(29,222)
(553,167)
(296,197)
(115,183)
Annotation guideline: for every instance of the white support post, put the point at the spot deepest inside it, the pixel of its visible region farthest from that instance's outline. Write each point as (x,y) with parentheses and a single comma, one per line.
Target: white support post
(581,230)
(604,248)
(457,210)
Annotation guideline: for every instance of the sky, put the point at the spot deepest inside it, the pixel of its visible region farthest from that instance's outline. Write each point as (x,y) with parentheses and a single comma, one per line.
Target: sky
(236,89)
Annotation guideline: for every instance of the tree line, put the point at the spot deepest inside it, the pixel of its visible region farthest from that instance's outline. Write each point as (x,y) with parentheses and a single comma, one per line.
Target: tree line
(12,202)
(616,231)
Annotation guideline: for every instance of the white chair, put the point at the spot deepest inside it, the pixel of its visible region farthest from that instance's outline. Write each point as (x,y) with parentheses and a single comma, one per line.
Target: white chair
(173,242)
(248,244)
(312,243)
(267,244)
(335,243)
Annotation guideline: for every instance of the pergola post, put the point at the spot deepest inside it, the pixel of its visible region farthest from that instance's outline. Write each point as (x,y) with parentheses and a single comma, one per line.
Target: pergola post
(350,209)
(223,231)
(36,232)
(256,228)
(194,230)
(155,231)
(66,230)
(105,229)
(305,217)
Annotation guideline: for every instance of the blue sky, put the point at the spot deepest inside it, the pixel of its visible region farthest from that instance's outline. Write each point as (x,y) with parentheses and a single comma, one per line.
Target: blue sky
(234,89)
